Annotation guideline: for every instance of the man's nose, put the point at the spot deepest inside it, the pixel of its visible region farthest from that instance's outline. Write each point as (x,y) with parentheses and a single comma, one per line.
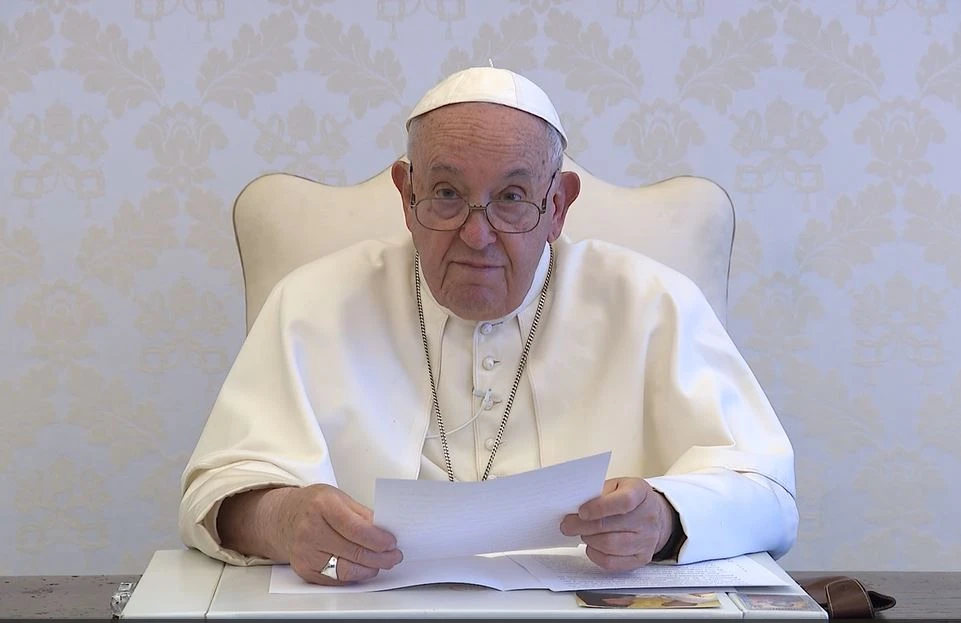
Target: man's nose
(477,232)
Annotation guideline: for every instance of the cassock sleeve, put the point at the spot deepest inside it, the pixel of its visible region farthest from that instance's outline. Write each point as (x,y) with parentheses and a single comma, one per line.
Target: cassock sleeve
(261,432)
(732,476)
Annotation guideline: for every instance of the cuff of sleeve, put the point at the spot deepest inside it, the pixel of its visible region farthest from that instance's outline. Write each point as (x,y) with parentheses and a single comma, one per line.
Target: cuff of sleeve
(201,504)
(712,509)
(672,548)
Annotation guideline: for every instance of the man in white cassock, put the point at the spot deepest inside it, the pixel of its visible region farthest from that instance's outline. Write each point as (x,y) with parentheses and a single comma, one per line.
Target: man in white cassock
(485,344)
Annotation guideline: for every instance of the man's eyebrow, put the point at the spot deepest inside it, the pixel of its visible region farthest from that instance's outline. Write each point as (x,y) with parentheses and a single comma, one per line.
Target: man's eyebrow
(444,168)
(519,172)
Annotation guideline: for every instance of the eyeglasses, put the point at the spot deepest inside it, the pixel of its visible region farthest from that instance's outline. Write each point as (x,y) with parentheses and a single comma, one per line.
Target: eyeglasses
(509,216)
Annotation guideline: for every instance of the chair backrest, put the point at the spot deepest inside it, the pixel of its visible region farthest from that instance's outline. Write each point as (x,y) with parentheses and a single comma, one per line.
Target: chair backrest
(282,221)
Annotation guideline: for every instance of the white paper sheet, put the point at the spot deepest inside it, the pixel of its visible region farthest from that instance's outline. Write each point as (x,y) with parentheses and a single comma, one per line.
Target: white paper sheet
(573,570)
(432,519)
(562,569)
(498,572)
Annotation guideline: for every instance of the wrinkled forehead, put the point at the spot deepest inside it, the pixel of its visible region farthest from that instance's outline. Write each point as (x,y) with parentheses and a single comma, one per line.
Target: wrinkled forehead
(488,130)
(503,172)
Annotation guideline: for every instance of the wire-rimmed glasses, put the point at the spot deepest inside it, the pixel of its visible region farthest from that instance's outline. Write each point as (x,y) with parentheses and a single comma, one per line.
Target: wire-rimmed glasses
(509,216)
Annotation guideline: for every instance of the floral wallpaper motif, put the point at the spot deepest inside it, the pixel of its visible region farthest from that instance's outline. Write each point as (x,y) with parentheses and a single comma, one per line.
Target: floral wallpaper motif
(131,126)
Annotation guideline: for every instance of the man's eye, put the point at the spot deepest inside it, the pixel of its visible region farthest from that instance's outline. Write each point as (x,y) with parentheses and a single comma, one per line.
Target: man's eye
(511,196)
(445,193)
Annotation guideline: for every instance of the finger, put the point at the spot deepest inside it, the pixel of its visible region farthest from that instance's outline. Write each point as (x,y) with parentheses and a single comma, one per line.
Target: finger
(356,553)
(357,529)
(573,525)
(347,572)
(610,484)
(621,543)
(360,509)
(625,496)
(615,563)
(570,525)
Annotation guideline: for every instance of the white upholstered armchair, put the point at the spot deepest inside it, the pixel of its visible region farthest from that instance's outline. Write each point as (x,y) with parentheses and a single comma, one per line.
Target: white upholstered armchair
(282,221)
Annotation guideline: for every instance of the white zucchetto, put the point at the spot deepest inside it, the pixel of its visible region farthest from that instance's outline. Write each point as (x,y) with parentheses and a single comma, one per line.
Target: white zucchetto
(493,85)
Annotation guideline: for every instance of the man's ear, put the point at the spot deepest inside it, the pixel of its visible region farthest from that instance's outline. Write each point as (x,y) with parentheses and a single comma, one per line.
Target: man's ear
(399,174)
(568,188)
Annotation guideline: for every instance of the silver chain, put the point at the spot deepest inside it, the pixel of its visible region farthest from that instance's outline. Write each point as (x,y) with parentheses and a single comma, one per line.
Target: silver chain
(435,407)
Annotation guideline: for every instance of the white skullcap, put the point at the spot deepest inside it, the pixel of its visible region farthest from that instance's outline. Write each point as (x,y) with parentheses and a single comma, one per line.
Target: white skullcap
(494,85)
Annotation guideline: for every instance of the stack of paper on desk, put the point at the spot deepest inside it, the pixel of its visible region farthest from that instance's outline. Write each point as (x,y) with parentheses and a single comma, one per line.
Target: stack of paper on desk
(505,534)
(561,569)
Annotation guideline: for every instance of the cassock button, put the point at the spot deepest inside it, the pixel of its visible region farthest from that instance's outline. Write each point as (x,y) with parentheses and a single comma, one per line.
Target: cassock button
(489,363)
(486,328)
(489,444)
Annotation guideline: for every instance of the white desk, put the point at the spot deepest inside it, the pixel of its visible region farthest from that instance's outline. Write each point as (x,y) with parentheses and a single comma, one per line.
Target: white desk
(188,584)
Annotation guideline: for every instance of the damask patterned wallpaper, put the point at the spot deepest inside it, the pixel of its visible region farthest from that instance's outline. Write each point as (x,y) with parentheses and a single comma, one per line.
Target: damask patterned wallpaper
(130,126)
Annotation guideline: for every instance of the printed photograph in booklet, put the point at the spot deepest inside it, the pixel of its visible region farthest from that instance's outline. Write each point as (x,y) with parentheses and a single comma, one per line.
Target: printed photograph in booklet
(772,605)
(611,599)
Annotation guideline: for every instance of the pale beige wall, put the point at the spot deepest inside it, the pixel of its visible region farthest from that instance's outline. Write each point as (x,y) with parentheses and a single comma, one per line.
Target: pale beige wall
(129,127)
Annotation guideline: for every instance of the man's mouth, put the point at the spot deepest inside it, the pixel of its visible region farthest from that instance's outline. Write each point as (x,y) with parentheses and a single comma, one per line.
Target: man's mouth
(477,265)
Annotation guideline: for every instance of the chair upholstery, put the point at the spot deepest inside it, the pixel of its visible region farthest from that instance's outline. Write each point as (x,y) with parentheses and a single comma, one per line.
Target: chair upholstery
(282,221)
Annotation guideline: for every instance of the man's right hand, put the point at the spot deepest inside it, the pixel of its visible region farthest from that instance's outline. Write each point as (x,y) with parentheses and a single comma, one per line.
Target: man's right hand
(304,526)
(321,521)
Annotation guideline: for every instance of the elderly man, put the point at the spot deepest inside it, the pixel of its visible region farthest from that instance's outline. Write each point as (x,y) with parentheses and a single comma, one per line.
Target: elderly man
(486,344)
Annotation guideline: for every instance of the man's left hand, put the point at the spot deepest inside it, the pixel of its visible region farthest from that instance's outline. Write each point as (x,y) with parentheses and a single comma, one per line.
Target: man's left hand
(624,526)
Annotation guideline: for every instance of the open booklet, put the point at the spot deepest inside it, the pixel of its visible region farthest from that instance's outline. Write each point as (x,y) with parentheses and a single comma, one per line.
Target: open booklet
(556,569)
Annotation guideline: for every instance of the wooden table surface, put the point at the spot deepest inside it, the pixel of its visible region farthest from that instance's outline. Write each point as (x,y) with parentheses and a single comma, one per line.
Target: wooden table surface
(920,595)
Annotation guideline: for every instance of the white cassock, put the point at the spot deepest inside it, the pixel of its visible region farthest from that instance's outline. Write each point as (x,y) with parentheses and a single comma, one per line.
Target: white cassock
(330,386)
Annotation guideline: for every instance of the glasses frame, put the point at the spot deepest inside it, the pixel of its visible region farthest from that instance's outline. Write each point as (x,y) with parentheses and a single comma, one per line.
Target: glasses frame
(471,207)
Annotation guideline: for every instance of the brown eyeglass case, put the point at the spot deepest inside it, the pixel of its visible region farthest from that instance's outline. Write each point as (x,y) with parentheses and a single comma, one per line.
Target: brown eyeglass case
(844,597)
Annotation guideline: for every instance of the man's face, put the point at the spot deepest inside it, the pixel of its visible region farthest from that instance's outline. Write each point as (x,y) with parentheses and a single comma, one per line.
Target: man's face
(482,152)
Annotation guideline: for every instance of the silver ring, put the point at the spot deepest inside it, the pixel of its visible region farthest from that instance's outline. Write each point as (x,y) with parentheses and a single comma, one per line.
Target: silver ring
(330,569)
